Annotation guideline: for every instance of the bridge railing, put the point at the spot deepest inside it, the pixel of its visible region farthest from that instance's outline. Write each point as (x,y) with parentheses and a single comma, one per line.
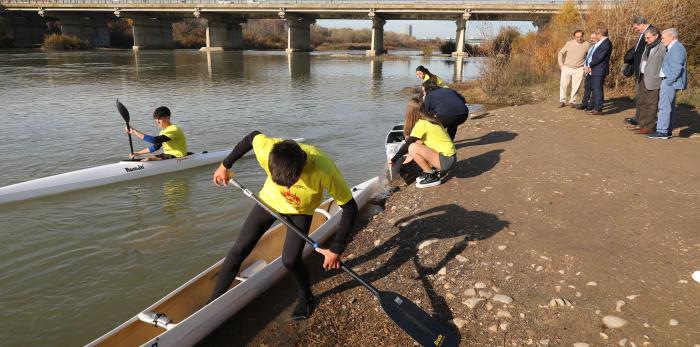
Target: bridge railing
(296,2)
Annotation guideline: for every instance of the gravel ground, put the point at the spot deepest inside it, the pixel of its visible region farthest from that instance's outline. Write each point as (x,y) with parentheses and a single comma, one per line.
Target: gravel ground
(555,228)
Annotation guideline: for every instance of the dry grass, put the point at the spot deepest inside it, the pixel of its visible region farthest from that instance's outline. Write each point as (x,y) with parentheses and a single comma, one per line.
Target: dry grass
(58,42)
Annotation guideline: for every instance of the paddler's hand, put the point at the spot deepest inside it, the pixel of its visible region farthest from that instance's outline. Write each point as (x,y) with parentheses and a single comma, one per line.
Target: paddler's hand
(222,175)
(331,261)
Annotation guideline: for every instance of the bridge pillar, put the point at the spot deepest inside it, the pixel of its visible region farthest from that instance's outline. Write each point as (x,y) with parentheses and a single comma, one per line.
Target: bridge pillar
(27,29)
(223,33)
(540,23)
(377,47)
(85,26)
(152,32)
(460,35)
(298,32)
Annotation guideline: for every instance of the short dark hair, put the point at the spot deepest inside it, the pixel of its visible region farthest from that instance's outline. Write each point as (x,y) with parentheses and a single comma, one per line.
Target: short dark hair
(639,20)
(603,31)
(430,85)
(654,31)
(286,161)
(579,31)
(161,112)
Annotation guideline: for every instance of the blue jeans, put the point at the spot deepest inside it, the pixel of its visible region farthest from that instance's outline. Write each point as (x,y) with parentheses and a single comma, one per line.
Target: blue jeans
(667,105)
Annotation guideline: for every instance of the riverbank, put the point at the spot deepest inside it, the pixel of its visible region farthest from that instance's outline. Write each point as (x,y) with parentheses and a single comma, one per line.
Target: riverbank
(553,227)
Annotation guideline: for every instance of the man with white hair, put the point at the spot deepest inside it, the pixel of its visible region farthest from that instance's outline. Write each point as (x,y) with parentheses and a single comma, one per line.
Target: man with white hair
(674,74)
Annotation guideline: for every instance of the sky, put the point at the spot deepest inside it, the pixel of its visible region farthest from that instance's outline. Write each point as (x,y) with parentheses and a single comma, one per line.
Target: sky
(423,29)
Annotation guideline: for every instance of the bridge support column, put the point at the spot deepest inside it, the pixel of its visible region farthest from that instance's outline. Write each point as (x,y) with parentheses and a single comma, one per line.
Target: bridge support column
(223,34)
(298,32)
(461,35)
(152,32)
(27,29)
(540,23)
(377,46)
(84,26)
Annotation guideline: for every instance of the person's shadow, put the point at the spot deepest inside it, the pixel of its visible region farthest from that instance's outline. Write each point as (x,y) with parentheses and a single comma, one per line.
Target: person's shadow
(467,168)
(688,119)
(451,224)
(492,137)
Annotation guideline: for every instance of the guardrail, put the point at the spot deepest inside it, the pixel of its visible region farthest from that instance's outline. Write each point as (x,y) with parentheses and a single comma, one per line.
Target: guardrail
(281,3)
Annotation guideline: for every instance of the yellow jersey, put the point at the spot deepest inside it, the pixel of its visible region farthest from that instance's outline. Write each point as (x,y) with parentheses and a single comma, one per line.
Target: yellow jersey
(435,137)
(306,194)
(177,146)
(439,80)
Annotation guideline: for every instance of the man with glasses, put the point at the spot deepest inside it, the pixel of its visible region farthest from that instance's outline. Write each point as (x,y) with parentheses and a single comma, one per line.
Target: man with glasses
(571,58)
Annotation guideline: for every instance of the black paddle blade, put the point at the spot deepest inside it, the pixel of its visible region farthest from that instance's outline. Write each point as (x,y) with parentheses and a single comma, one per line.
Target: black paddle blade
(123,111)
(419,325)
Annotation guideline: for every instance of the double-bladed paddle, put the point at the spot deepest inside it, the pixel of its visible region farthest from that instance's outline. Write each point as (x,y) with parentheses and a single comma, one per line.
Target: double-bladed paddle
(125,114)
(408,316)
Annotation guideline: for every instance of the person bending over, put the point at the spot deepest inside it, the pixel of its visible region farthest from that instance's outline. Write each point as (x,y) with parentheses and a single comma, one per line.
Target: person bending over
(447,105)
(424,75)
(427,143)
(297,175)
(171,138)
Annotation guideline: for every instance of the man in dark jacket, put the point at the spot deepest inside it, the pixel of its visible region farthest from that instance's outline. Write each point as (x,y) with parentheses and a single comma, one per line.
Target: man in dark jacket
(599,67)
(640,25)
(448,106)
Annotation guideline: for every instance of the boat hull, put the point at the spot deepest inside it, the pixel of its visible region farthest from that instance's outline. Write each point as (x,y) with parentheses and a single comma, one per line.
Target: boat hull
(394,141)
(187,304)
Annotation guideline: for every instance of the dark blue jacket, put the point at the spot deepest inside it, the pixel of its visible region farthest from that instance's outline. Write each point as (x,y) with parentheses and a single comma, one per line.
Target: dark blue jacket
(445,102)
(600,61)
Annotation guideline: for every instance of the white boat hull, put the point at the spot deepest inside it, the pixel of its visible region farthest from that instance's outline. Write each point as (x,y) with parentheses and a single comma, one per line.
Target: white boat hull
(200,318)
(394,141)
(106,174)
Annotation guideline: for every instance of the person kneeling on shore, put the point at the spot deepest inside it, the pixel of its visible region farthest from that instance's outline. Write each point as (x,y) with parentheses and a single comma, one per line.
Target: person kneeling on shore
(427,143)
(297,175)
(171,138)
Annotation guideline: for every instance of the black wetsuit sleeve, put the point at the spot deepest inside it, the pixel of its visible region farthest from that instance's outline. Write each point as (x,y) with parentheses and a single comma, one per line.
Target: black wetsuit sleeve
(347,220)
(160,139)
(243,147)
(404,149)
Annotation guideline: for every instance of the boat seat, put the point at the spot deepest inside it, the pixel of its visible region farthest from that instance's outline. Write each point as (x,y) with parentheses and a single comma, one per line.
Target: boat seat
(251,270)
(323,213)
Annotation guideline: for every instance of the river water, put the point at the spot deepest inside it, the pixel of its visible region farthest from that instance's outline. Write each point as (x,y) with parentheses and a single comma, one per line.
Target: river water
(73,266)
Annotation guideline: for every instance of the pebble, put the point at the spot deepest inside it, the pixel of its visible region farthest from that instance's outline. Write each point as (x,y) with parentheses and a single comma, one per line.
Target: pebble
(449,296)
(485,294)
(426,243)
(460,258)
(446,286)
(508,278)
(618,306)
(604,336)
(496,289)
(470,292)
(511,233)
(578,294)
(503,326)
(682,281)
(459,322)
(377,243)
(442,271)
(557,289)
(539,268)
(489,306)
(673,322)
(696,277)
(502,298)
(632,297)
(614,322)
(544,342)
(562,272)
(502,247)
(479,285)
(622,342)
(581,344)
(592,284)
(509,264)
(472,302)
(503,314)
(559,302)
(493,328)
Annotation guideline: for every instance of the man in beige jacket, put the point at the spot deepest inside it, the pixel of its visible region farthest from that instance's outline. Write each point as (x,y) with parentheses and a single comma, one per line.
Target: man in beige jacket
(571,58)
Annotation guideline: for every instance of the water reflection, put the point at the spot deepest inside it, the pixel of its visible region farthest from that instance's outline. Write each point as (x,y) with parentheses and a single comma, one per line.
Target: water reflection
(176,197)
(299,65)
(375,66)
(459,68)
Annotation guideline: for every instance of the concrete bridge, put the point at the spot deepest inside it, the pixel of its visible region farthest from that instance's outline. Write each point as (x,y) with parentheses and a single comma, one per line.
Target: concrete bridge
(153,19)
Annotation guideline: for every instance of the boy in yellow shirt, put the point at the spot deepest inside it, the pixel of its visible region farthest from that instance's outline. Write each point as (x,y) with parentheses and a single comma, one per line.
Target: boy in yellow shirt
(171,138)
(297,175)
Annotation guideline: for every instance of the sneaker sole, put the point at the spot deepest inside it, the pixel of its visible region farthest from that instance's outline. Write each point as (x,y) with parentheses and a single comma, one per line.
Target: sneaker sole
(432,184)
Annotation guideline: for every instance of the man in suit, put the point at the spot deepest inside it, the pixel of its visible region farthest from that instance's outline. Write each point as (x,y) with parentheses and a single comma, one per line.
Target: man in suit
(599,67)
(586,103)
(674,72)
(642,26)
(649,82)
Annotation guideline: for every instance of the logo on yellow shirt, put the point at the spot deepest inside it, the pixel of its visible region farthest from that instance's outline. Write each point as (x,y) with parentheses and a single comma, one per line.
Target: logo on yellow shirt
(292,198)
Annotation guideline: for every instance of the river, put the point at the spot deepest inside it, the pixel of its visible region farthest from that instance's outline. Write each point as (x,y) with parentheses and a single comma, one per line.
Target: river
(73,266)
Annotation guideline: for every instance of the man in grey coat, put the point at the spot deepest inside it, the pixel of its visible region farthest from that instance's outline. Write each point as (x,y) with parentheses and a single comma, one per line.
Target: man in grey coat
(649,82)
(674,72)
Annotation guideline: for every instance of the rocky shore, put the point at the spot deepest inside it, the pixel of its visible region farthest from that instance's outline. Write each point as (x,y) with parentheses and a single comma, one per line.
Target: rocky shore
(555,228)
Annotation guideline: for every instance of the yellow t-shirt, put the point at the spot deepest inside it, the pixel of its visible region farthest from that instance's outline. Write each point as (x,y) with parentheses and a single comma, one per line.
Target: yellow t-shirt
(177,145)
(306,194)
(435,137)
(440,82)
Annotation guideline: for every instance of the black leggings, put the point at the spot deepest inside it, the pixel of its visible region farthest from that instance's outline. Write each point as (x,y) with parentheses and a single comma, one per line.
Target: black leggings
(452,122)
(257,223)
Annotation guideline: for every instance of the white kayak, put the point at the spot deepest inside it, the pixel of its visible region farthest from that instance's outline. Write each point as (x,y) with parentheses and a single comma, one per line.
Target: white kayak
(394,140)
(125,170)
(182,318)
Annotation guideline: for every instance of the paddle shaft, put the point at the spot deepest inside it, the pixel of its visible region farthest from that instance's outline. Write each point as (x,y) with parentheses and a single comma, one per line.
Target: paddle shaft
(306,238)
(131,144)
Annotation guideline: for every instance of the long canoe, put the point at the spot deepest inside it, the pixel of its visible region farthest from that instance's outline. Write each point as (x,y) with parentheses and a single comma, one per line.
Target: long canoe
(394,141)
(125,170)
(183,317)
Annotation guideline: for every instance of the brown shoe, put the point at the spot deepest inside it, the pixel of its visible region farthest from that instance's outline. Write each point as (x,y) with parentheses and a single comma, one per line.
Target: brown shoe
(595,113)
(572,105)
(644,131)
(561,104)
